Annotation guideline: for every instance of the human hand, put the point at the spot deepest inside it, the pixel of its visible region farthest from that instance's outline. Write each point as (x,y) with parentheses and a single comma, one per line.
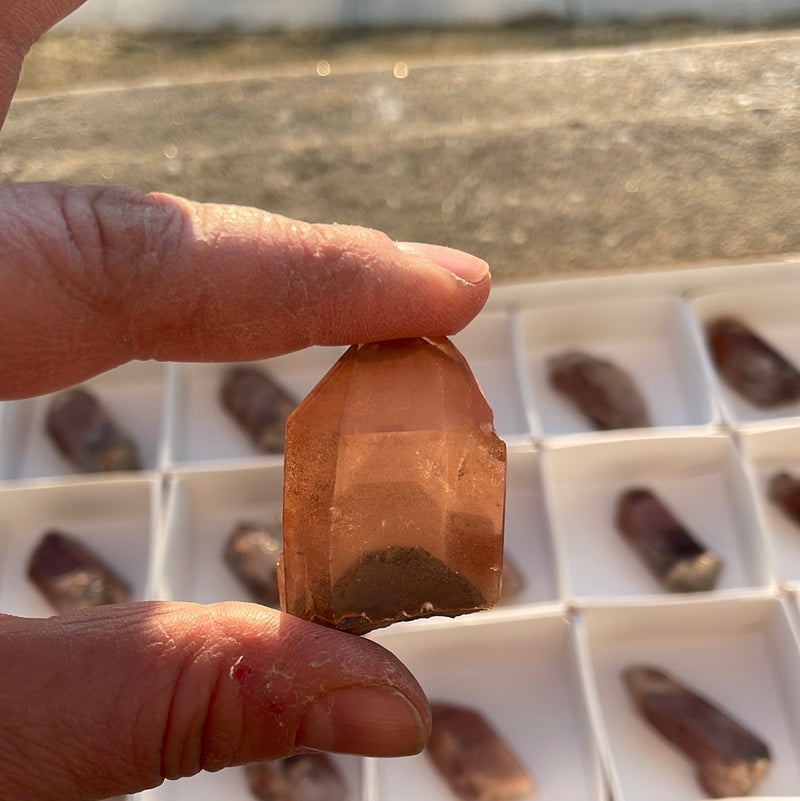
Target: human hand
(115,699)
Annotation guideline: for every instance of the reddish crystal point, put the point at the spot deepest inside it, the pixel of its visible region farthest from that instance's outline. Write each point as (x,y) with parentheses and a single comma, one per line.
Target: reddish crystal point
(669,550)
(731,761)
(305,777)
(259,405)
(394,490)
(71,576)
(473,758)
(751,366)
(252,553)
(784,490)
(601,390)
(85,434)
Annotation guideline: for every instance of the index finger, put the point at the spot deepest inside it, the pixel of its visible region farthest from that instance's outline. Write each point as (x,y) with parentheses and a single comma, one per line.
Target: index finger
(94,276)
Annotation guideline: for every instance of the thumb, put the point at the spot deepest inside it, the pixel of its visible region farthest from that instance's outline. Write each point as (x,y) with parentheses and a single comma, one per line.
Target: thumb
(117,699)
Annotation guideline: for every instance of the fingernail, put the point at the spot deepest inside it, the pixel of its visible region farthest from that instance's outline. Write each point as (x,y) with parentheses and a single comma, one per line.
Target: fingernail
(372,721)
(464,265)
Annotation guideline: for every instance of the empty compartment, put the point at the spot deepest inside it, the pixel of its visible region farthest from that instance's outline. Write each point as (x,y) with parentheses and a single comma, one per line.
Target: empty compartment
(521,676)
(740,654)
(133,396)
(771,312)
(200,428)
(114,519)
(203,510)
(701,481)
(486,345)
(649,337)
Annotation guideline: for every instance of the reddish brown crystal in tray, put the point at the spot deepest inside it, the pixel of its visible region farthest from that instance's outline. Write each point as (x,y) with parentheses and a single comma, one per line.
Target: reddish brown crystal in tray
(84,432)
(473,758)
(671,552)
(259,405)
(252,553)
(394,490)
(306,777)
(513,582)
(784,490)
(601,390)
(731,761)
(71,576)
(751,366)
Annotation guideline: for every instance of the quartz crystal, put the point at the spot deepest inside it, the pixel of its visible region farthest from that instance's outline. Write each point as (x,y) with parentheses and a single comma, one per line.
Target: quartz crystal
(730,760)
(84,432)
(259,405)
(513,581)
(394,490)
(664,544)
(784,490)
(252,553)
(601,390)
(71,576)
(472,757)
(751,366)
(306,777)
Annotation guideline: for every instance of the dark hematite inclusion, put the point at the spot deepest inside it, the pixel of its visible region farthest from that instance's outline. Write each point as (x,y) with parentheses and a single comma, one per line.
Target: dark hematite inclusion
(397,583)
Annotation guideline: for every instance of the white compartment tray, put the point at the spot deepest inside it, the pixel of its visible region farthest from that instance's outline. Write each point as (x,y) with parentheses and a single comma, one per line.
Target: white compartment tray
(545,667)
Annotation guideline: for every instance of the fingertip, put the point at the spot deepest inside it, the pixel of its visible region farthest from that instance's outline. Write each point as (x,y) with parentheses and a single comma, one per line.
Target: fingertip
(371,721)
(463,265)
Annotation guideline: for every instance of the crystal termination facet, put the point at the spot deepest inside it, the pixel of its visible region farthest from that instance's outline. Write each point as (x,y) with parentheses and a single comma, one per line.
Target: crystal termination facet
(394,490)
(751,366)
(601,390)
(731,761)
(664,544)
(472,757)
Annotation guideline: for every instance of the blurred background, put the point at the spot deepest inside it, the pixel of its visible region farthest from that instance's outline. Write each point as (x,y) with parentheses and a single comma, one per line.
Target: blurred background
(548,136)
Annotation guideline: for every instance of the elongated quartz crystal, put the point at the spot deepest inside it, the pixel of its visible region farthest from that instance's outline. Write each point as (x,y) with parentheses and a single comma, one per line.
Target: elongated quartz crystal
(751,366)
(730,760)
(664,544)
(784,490)
(259,405)
(71,576)
(601,390)
(85,434)
(473,758)
(394,490)
(252,553)
(305,777)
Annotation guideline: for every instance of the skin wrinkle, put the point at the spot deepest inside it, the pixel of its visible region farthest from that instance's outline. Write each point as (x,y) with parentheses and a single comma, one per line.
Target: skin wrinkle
(201,667)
